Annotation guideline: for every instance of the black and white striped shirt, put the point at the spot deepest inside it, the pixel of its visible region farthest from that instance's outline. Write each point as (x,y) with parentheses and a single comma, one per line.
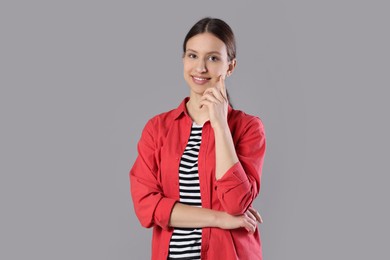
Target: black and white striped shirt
(186,242)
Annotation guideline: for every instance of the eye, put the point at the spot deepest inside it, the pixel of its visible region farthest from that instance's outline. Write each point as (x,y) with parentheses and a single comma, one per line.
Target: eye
(191,56)
(213,58)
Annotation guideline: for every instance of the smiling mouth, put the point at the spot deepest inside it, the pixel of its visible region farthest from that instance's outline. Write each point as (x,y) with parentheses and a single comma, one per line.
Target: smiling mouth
(200,79)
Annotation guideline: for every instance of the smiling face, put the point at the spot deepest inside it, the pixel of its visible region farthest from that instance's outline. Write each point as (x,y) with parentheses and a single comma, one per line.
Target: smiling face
(205,59)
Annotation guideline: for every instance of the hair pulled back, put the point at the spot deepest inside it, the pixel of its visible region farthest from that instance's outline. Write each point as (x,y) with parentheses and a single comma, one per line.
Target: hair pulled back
(219,29)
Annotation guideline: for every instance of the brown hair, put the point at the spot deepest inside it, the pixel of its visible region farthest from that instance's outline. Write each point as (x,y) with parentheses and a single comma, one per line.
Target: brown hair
(219,29)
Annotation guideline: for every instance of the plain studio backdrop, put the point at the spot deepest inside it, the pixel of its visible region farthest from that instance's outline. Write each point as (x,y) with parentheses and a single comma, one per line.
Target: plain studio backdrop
(79,79)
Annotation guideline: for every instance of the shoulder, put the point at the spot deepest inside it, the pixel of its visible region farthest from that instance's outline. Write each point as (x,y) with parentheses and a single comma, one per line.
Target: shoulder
(239,118)
(156,128)
(160,123)
(164,118)
(244,126)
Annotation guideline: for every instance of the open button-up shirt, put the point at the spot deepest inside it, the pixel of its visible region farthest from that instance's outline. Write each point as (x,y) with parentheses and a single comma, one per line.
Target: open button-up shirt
(154,180)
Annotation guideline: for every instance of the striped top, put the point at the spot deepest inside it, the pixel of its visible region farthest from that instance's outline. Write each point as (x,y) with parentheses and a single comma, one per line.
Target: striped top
(186,242)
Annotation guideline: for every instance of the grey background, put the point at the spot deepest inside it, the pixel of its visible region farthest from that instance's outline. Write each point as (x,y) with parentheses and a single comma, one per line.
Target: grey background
(80,78)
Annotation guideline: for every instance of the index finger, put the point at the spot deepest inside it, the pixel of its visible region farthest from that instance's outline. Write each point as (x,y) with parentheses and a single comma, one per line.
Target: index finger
(221,86)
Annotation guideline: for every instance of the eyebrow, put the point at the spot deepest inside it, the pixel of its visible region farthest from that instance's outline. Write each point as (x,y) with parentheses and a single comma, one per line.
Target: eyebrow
(211,52)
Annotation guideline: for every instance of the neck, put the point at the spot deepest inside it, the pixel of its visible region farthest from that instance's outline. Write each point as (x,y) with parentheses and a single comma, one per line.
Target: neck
(198,114)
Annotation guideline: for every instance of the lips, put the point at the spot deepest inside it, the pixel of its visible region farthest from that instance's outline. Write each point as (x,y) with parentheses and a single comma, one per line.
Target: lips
(200,80)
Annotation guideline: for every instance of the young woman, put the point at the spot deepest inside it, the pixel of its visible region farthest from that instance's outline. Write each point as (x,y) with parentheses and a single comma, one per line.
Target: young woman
(199,166)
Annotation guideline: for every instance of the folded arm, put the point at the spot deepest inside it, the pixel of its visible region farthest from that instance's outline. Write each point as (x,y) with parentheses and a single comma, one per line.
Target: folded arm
(238,180)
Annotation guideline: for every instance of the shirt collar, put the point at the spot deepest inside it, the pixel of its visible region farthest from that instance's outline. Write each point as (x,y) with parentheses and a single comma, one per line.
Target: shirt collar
(182,109)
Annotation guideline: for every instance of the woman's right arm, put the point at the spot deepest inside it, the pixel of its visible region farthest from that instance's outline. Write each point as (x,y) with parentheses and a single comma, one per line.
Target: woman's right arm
(184,216)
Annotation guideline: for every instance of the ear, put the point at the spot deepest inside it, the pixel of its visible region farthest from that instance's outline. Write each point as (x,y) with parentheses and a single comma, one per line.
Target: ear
(232,66)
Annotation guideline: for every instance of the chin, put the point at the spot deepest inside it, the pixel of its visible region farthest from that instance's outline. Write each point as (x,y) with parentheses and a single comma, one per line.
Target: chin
(198,90)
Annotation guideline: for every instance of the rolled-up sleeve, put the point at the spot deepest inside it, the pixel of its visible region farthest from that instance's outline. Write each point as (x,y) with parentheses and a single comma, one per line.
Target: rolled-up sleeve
(240,185)
(150,205)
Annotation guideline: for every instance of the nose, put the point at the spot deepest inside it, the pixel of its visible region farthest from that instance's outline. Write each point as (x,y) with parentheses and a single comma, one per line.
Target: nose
(201,66)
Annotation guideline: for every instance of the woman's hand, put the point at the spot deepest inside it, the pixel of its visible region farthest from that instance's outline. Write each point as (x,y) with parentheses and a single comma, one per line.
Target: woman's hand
(216,101)
(248,220)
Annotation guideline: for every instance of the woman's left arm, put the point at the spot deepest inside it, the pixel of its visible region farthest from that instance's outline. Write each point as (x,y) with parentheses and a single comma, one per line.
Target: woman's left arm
(238,182)
(238,165)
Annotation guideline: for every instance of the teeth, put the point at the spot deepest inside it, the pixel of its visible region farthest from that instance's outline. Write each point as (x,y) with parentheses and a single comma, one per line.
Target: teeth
(200,78)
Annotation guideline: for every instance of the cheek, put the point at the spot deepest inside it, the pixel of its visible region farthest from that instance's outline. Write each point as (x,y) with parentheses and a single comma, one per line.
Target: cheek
(216,69)
(187,67)
(186,72)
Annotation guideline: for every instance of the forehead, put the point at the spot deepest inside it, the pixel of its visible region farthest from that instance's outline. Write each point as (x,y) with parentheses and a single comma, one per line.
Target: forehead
(206,42)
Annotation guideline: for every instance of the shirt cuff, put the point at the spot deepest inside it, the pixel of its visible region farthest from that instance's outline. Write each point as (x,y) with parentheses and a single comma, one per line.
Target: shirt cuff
(163,211)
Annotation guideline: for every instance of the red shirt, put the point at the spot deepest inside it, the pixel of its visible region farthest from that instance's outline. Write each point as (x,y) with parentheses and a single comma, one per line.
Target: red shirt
(154,180)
